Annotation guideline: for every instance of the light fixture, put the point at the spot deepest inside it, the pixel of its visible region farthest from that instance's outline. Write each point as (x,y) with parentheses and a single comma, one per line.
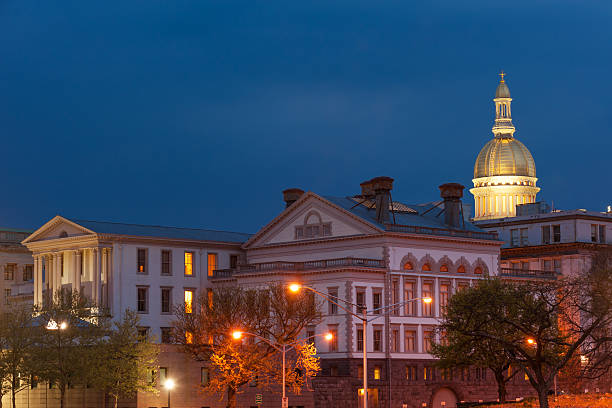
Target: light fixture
(295,287)
(237,335)
(329,336)
(169,384)
(427,300)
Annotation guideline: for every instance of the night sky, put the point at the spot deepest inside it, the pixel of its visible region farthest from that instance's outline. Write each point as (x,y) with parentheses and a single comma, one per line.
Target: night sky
(199,113)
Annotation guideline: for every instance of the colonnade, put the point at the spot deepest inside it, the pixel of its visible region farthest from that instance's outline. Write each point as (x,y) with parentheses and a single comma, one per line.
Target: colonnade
(501,205)
(74,267)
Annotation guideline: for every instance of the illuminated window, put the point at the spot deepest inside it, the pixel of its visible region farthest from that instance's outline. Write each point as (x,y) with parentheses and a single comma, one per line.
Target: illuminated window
(410,341)
(428,292)
(444,293)
(428,374)
(408,266)
(142,260)
(427,340)
(212,264)
(377,372)
(444,268)
(426,267)
(189,337)
(478,270)
(188,263)
(409,294)
(188,301)
(333,343)
(461,269)
(395,341)
(163,375)
(411,373)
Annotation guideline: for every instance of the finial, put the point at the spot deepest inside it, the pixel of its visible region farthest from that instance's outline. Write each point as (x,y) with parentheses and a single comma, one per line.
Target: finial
(502,74)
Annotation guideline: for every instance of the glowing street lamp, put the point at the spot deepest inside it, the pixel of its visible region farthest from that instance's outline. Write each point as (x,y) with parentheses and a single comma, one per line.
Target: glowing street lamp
(52,325)
(237,335)
(169,385)
(296,287)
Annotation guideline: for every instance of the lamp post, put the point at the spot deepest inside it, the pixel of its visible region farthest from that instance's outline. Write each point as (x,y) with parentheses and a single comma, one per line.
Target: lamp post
(237,335)
(169,385)
(380,312)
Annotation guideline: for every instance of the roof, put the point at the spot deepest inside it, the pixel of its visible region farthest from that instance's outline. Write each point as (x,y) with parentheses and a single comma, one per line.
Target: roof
(422,215)
(195,234)
(504,156)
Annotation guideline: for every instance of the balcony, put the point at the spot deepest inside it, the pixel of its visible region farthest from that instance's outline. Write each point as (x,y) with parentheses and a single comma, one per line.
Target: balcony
(283,266)
(527,274)
(410,229)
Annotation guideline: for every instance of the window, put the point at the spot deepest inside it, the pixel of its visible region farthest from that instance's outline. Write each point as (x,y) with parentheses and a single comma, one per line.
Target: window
(426,267)
(427,340)
(333,294)
(545,234)
(360,301)
(478,270)
(556,233)
(233,261)
(408,266)
(188,337)
(411,373)
(444,268)
(333,370)
(166,335)
(204,376)
(428,292)
(212,263)
(377,372)
(557,265)
(376,297)
(28,272)
(7,296)
(514,237)
(462,285)
(598,233)
(410,340)
(523,232)
(461,269)
(333,343)
(143,333)
(359,339)
(188,300)
(166,300)
(166,262)
(428,374)
(141,260)
(189,263)
(446,374)
(142,299)
(9,272)
(378,340)
(547,264)
(395,296)
(313,230)
(163,375)
(444,292)
(409,293)
(395,340)
(310,335)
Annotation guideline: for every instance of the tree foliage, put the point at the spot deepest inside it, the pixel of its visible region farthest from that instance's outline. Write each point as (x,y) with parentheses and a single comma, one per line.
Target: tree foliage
(567,318)
(204,332)
(125,360)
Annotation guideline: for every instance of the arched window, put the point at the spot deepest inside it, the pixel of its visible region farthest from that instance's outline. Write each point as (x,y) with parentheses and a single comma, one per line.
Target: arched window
(426,267)
(478,270)
(444,268)
(408,266)
(63,234)
(461,269)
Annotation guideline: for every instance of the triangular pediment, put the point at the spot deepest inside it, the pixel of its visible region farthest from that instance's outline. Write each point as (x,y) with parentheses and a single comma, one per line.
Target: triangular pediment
(58,227)
(311,218)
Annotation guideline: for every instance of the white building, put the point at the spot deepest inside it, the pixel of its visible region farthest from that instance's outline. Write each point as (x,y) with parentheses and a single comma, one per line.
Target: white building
(16,268)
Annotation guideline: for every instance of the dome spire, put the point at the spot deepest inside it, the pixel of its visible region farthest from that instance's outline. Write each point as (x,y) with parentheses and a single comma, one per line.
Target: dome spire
(503,126)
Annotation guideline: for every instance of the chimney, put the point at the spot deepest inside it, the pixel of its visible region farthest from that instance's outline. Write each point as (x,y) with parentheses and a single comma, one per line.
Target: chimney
(366,189)
(452,193)
(382,187)
(291,195)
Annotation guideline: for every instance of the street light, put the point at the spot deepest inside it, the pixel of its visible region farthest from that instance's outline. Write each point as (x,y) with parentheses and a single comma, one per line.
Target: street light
(296,287)
(237,335)
(52,325)
(169,385)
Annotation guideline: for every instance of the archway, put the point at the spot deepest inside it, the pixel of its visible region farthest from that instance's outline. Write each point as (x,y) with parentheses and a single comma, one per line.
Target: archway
(444,398)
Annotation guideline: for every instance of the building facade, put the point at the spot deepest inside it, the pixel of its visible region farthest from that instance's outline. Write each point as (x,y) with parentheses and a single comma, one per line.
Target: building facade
(16,269)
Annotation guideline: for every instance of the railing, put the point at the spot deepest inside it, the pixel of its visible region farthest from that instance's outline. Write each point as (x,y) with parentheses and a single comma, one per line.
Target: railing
(299,266)
(527,273)
(410,229)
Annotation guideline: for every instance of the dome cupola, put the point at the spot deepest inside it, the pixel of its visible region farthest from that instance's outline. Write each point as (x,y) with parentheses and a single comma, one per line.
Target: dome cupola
(504,172)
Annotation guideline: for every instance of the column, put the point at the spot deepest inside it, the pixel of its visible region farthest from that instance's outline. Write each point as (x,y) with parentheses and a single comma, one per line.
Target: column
(36,283)
(77,270)
(49,271)
(109,279)
(57,272)
(95,253)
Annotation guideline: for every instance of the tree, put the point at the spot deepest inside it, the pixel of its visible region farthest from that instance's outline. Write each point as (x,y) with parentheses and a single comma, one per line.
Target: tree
(70,331)
(204,330)
(543,326)
(16,341)
(461,350)
(125,360)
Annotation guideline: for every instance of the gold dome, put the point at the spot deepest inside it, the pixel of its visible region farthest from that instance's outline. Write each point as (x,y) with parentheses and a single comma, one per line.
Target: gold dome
(504,156)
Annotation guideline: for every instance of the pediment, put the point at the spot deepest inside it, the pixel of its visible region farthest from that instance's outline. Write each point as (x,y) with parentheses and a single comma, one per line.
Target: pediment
(58,227)
(311,218)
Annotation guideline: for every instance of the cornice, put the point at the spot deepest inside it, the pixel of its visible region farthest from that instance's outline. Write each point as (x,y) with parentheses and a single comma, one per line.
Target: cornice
(589,217)
(552,249)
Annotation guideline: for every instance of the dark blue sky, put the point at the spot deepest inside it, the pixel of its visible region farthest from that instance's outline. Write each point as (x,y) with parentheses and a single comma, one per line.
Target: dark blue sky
(198,113)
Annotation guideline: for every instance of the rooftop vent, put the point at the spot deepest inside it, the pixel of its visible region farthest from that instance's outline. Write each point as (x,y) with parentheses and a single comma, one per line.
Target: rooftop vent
(291,195)
(451,193)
